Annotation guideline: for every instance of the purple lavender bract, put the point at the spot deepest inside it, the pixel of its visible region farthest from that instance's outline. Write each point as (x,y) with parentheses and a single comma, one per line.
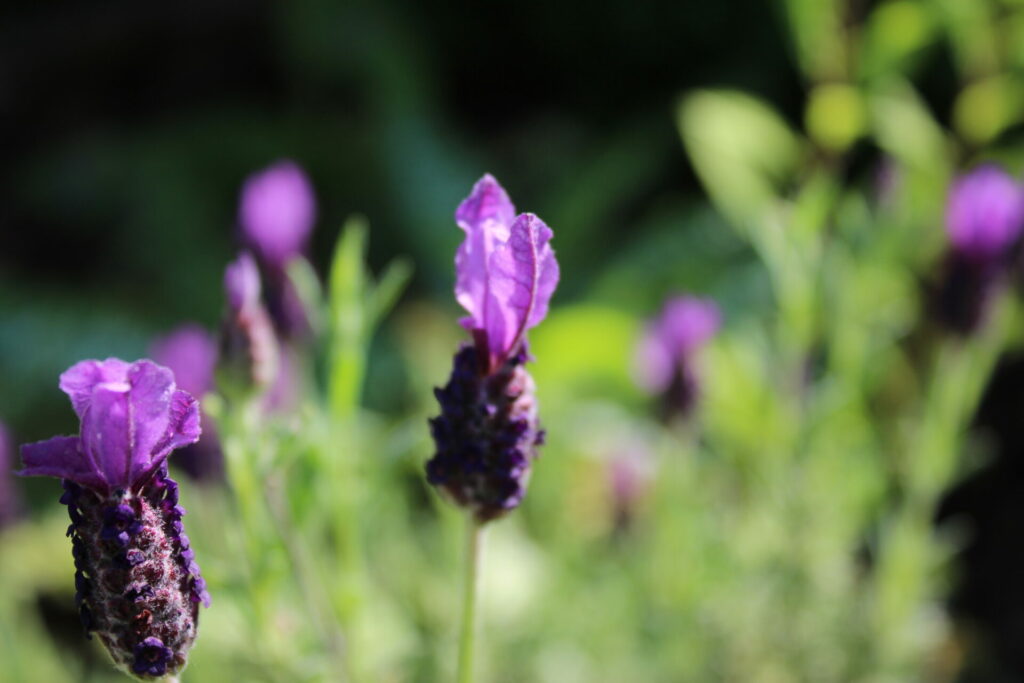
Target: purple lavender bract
(984,220)
(137,584)
(276,213)
(488,432)
(666,353)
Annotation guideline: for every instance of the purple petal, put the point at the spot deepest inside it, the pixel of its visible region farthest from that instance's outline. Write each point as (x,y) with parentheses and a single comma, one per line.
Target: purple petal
(242,283)
(61,457)
(183,426)
(125,421)
(687,323)
(79,380)
(486,216)
(523,276)
(985,212)
(276,213)
(655,365)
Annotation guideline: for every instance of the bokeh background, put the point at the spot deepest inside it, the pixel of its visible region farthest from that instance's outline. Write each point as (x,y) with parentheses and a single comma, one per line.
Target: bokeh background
(128,129)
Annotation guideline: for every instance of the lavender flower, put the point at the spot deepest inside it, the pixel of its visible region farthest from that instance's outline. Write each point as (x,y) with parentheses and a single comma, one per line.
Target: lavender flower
(138,586)
(249,350)
(665,361)
(984,219)
(276,213)
(487,433)
(191,354)
(10,504)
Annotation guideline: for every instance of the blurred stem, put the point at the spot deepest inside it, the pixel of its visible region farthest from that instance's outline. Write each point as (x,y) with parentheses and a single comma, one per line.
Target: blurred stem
(471,588)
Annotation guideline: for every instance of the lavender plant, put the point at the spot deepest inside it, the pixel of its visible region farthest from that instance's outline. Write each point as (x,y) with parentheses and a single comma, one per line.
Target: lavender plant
(138,585)
(488,431)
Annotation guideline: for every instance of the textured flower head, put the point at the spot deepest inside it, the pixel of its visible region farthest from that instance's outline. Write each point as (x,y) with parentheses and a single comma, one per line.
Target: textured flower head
(276,213)
(985,212)
(685,324)
(132,416)
(505,269)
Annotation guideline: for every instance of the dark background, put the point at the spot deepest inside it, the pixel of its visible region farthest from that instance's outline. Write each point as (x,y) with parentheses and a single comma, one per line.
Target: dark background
(128,128)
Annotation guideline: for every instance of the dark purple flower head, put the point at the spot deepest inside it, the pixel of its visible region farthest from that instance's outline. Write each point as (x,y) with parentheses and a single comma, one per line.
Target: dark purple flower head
(138,587)
(684,326)
(985,213)
(505,269)
(276,212)
(132,416)
(487,434)
(191,354)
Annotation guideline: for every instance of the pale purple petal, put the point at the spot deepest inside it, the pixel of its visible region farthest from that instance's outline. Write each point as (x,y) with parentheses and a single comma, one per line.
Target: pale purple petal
(80,379)
(654,364)
(985,212)
(276,213)
(152,388)
(242,283)
(61,457)
(183,427)
(486,216)
(522,278)
(191,354)
(687,323)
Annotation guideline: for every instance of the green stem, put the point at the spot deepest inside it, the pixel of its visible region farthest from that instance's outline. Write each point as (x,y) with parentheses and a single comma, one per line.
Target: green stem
(474,556)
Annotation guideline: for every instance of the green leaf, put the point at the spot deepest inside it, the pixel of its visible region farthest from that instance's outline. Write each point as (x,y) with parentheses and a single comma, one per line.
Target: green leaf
(743,151)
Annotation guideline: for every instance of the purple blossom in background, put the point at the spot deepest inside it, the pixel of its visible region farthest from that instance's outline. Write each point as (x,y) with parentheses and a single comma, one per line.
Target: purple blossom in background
(984,219)
(276,213)
(665,360)
(630,472)
(487,434)
(248,348)
(191,354)
(985,213)
(138,586)
(10,503)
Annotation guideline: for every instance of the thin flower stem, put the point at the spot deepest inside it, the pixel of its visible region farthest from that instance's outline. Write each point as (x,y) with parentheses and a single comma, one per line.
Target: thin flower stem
(471,589)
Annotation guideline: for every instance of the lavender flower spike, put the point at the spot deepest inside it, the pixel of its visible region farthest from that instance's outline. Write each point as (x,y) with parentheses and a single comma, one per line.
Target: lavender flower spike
(665,361)
(138,586)
(487,433)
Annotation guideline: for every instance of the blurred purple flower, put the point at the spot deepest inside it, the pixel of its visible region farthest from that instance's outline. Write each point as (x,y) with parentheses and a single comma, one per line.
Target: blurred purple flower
(984,220)
(138,586)
(276,213)
(248,345)
(487,434)
(191,354)
(665,360)
(10,503)
(985,213)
